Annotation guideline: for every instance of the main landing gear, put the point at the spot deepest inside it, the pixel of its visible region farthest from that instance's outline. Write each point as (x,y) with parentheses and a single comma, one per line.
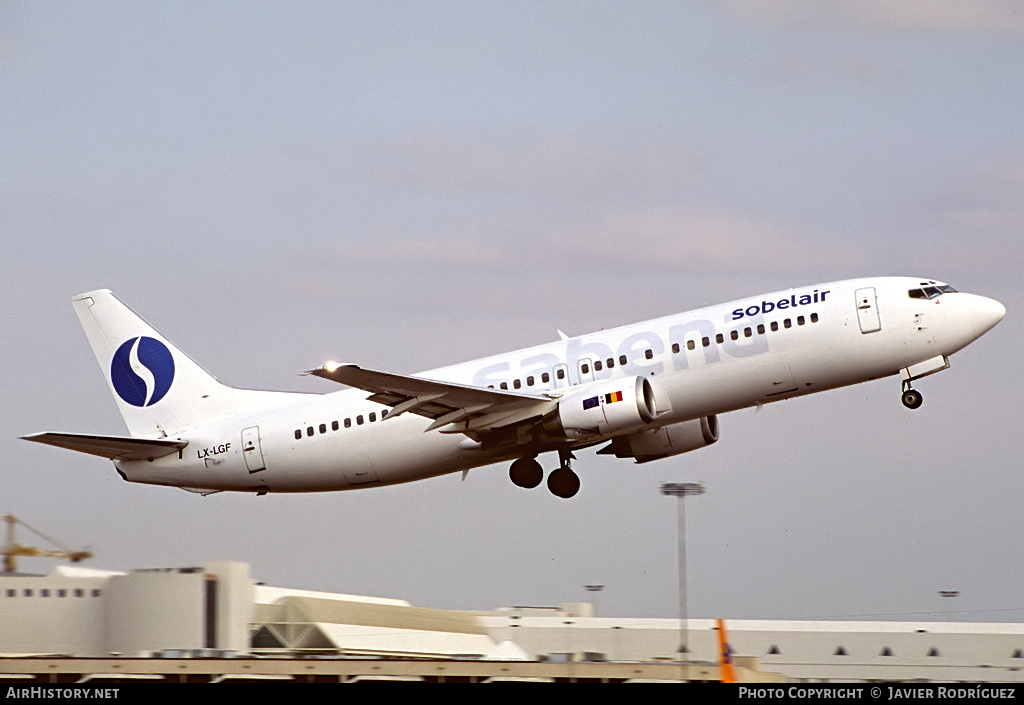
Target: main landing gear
(911,397)
(526,472)
(563,482)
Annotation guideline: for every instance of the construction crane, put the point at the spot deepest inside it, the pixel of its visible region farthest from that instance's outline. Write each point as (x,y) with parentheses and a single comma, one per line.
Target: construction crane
(12,549)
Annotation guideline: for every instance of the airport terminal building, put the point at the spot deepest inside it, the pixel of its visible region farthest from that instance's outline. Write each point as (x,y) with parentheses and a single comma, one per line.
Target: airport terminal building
(218,611)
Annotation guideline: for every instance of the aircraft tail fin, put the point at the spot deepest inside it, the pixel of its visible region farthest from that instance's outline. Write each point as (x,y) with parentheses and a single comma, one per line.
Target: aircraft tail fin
(726,671)
(159,390)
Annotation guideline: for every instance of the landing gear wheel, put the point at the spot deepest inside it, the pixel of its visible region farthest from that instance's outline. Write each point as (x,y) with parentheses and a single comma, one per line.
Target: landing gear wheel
(563,483)
(526,472)
(912,398)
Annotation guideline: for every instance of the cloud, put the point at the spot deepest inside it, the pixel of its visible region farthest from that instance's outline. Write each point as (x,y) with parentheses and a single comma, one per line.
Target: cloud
(999,18)
(485,202)
(523,163)
(984,198)
(621,238)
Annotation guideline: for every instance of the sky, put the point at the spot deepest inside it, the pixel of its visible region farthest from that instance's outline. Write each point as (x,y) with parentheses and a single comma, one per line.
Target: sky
(407,185)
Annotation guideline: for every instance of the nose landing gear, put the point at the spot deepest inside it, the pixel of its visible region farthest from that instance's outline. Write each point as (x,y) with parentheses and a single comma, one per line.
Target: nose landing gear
(912,398)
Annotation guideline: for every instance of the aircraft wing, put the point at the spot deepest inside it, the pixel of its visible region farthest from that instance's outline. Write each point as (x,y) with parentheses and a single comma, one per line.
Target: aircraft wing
(473,409)
(113,447)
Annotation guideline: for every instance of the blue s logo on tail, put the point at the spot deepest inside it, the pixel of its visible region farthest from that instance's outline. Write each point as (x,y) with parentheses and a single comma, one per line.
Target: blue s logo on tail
(142,371)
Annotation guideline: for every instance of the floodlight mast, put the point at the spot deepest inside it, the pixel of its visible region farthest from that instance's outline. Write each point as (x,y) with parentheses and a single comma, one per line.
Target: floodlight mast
(682,490)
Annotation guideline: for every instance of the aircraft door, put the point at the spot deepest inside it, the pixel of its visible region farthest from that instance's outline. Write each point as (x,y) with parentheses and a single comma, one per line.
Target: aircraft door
(867,310)
(560,375)
(585,370)
(251,450)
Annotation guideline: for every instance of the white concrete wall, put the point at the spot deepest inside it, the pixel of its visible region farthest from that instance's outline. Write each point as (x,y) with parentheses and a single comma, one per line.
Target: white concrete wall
(155,611)
(52,614)
(235,597)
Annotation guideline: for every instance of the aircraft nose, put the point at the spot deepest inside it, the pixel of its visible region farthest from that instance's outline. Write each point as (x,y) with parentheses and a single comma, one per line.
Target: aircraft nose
(985,314)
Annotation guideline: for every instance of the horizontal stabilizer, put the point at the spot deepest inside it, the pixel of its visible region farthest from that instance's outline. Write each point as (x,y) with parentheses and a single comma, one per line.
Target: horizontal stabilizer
(113,447)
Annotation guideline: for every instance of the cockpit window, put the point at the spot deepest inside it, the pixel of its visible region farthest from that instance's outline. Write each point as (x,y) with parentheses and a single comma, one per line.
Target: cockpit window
(931,291)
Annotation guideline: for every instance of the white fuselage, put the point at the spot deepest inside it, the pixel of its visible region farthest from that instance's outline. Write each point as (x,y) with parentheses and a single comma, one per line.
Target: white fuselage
(700,363)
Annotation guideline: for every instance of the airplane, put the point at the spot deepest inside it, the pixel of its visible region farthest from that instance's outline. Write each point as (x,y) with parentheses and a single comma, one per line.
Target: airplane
(645,391)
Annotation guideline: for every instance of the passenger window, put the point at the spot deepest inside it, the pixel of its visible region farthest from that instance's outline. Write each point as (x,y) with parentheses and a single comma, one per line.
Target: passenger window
(760,329)
(309,431)
(298,434)
(373,416)
(598,366)
(719,338)
(622,360)
(585,368)
(814,318)
(529,381)
(504,385)
(800,320)
(560,373)
(323,428)
(690,345)
(610,362)
(747,332)
(334,425)
(359,420)
(675,347)
(706,342)
(775,326)
(787,323)
(384,413)
(545,378)
(517,384)
(348,423)
(649,354)
(734,334)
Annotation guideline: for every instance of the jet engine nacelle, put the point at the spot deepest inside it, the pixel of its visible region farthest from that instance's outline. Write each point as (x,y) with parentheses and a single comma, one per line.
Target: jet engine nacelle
(607,408)
(657,443)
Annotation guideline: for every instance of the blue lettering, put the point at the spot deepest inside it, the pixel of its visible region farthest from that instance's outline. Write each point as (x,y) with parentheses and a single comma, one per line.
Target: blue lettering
(768,306)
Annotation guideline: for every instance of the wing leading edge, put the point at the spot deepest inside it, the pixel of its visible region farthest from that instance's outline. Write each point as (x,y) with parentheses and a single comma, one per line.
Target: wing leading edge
(453,408)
